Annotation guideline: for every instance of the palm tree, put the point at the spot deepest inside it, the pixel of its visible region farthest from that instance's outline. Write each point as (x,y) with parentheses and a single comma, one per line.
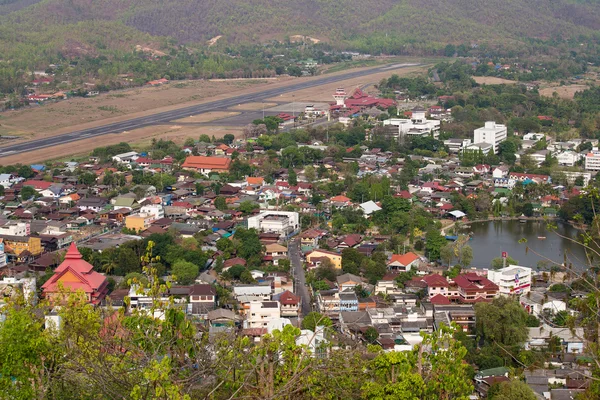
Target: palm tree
(108,261)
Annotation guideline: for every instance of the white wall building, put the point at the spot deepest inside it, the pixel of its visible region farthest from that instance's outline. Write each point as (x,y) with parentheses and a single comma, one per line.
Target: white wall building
(280,222)
(592,161)
(513,279)
(417,125)
(15,229)
(568,158)
(156,211)
(572,175)
(491,133)
(457,145)
(261,313)
(263,291)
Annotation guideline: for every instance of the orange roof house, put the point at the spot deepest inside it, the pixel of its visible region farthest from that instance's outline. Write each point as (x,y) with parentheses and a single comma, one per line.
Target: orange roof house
(207,165)
(75,274)
(255,180)
(403,262)
(340,199)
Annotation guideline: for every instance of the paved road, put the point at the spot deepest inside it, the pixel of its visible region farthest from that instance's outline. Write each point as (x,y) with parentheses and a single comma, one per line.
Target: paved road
(299,278)
(162,117)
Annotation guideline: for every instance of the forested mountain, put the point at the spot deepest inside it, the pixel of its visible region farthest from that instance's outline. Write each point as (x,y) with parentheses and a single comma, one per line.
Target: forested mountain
(336,21)
(34,34)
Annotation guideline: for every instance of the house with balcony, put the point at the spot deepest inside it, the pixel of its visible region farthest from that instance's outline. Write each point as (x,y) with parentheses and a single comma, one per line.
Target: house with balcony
(290,304)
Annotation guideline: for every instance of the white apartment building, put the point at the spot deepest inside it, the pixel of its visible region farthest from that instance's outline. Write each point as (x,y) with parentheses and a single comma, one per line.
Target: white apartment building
(592,161)
(417,125)
(280,222)
(492,133)
(513,279)
(568,158)
(156,211)
(261,313)
(571,176)
(15,229)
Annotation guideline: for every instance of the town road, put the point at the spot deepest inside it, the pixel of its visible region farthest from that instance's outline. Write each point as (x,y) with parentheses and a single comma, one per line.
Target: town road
(166,116)
(299,278)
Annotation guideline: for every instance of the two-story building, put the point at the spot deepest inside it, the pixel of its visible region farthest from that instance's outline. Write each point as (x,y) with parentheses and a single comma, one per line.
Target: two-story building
(203,298)
(513,279)
(290,304)
(316,257)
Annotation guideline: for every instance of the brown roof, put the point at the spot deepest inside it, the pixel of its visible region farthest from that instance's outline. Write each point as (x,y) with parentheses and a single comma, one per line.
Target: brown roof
(202,290)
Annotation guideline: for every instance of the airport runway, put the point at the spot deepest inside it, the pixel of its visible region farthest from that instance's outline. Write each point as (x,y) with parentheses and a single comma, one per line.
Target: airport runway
(166,116)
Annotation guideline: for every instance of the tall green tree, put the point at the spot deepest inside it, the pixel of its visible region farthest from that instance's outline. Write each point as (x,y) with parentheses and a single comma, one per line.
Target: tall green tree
(434,243)
(501,321)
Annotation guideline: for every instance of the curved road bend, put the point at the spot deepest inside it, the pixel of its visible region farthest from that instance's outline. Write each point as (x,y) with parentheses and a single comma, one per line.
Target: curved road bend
(167,116)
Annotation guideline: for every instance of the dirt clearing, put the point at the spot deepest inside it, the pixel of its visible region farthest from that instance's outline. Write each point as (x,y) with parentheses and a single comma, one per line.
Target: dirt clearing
(138,138)
(80,113)
(492,80)
(564,92)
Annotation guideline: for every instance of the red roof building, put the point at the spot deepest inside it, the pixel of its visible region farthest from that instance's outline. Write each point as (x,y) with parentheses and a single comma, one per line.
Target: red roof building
(76,274)
(38,185)
(290,304)
(473,288)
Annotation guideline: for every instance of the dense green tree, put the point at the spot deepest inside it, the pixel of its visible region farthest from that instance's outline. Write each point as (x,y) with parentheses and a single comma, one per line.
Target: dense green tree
(228,138)
(185,271)
(28,192)
(220,203)
(420,374)
(498,262)
(371,335)
(248,243)
(502,321)
(434,243)
(314,319)
(511,390)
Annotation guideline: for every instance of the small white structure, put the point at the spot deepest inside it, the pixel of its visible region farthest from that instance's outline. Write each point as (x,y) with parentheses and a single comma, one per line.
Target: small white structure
(126,158)
(10,286)
(314,341)
(280,222)
(417,125)
(485,148)
(492,133)
(513,279)
(534,136)
(457,145)
(369,207)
